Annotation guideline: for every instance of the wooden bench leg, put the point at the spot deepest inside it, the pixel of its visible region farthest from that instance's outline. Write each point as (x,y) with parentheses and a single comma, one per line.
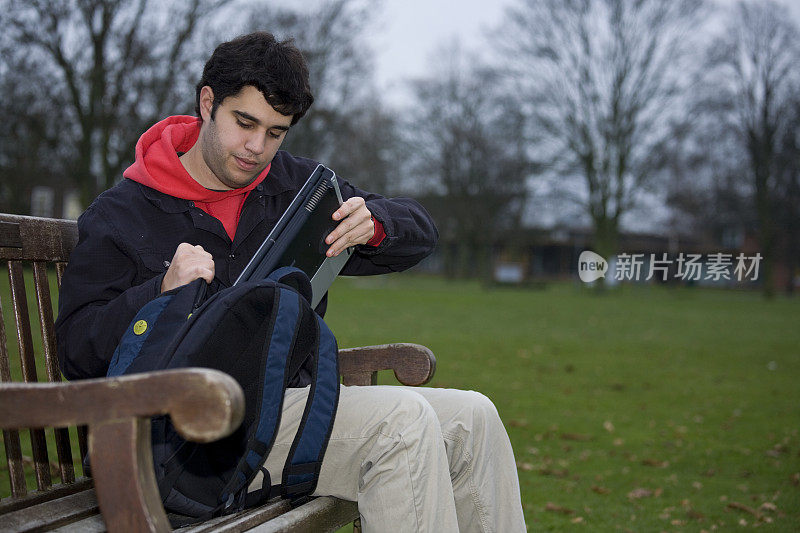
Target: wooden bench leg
(357,525)
(122,466)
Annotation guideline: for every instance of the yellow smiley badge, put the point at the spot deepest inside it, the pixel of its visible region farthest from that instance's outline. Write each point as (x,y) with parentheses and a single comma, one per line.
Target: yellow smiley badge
(140,327)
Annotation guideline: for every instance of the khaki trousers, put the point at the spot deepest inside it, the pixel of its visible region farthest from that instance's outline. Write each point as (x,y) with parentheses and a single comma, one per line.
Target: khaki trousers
(414,458)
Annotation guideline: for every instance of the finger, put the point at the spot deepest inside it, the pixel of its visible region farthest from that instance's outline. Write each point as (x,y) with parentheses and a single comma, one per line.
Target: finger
(182,249)
(199,251)
(348,207)
(198,271)
(358,236)
(361,217)
(207,274)
(340,231)
(337,247)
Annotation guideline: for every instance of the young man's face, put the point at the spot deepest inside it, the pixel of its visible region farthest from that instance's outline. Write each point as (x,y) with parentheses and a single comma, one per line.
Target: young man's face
(241,140)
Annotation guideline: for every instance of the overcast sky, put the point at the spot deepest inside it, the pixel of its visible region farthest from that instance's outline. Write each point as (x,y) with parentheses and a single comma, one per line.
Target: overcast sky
(409,32)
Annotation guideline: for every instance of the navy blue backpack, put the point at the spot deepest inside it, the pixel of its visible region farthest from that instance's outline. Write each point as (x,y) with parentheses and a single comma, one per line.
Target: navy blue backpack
(267,337)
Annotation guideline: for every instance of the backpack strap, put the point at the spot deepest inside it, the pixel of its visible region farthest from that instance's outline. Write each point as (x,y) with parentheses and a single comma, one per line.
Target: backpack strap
(294,278)
(301,471)
(284,334)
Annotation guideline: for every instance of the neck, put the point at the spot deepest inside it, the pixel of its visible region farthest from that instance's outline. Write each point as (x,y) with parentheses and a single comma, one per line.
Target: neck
(196,166)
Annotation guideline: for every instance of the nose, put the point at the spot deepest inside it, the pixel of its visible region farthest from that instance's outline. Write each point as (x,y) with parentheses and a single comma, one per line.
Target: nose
(256,143)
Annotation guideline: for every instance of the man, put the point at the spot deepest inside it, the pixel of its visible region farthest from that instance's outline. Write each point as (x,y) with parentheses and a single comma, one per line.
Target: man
(199,199)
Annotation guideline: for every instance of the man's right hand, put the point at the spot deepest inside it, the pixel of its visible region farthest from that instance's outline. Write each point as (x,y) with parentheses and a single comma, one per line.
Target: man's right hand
(188,264)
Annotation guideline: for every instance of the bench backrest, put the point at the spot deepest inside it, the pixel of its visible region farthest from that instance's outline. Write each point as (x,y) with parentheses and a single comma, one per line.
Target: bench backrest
(34,248)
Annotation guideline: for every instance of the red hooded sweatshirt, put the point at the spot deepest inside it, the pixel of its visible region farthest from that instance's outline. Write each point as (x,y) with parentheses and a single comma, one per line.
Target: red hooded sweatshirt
(157,166)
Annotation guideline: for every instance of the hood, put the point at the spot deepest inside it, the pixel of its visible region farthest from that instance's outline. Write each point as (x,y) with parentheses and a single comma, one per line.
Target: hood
(157,165)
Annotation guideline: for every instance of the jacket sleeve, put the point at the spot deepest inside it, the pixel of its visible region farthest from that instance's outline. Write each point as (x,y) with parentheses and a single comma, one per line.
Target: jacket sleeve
(101,292)
(411,234)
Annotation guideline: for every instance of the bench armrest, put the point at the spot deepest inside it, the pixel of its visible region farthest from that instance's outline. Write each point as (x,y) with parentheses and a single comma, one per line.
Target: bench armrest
(204,405)
(413,364)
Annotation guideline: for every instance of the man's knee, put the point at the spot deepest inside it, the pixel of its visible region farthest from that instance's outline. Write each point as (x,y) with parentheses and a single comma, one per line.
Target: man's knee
(477,412)
(413,411)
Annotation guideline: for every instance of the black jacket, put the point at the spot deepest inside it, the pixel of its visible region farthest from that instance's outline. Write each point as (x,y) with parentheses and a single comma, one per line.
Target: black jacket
(130,232)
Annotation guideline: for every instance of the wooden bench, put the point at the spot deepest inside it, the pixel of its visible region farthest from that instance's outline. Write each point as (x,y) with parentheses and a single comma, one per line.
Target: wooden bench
(112,416)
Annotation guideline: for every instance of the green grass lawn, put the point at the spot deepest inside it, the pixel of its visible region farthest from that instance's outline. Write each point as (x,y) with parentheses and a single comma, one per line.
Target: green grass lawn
(643,409)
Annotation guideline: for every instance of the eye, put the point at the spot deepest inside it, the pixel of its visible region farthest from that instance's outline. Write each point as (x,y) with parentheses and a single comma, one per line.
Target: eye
(243,125)
(276,134)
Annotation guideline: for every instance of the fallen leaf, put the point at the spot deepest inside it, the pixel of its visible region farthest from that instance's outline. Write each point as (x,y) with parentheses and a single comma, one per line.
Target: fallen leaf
(639,493)
(768,506)
(746,508)
(608,426)
(524,466)
(695,515)
(577,520)
(554,472)
(600,490)
(518,423)
(554,508)
(655,462)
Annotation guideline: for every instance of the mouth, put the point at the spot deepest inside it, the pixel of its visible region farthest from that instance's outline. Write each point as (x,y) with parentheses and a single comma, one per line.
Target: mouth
(245,164)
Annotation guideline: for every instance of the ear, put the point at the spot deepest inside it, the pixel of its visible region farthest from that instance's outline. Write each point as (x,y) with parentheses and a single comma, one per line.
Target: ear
(206,102)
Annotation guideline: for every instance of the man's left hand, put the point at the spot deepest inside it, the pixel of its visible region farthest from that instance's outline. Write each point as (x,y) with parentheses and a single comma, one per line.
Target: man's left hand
(356,226)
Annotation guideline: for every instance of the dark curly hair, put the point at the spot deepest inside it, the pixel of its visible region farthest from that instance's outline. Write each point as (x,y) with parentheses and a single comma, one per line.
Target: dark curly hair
(277,69)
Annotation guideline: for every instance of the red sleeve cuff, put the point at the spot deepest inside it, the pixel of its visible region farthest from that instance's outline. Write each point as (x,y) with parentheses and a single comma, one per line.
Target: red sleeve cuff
(379,235)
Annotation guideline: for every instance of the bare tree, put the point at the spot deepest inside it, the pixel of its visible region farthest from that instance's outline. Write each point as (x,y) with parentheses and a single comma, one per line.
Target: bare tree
(107,74)
(700,170)
(331,37)
(30,151)
(470,151)
(598,78)
(788,193)
(752,72)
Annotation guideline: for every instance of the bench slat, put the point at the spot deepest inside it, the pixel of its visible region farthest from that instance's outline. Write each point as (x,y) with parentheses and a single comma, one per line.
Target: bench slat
(322,514)
(16,472)
(93,524)
(83,436)
(37,497)
(45,305)
(240,521)
(19,300)
(53,513)
(36,239)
